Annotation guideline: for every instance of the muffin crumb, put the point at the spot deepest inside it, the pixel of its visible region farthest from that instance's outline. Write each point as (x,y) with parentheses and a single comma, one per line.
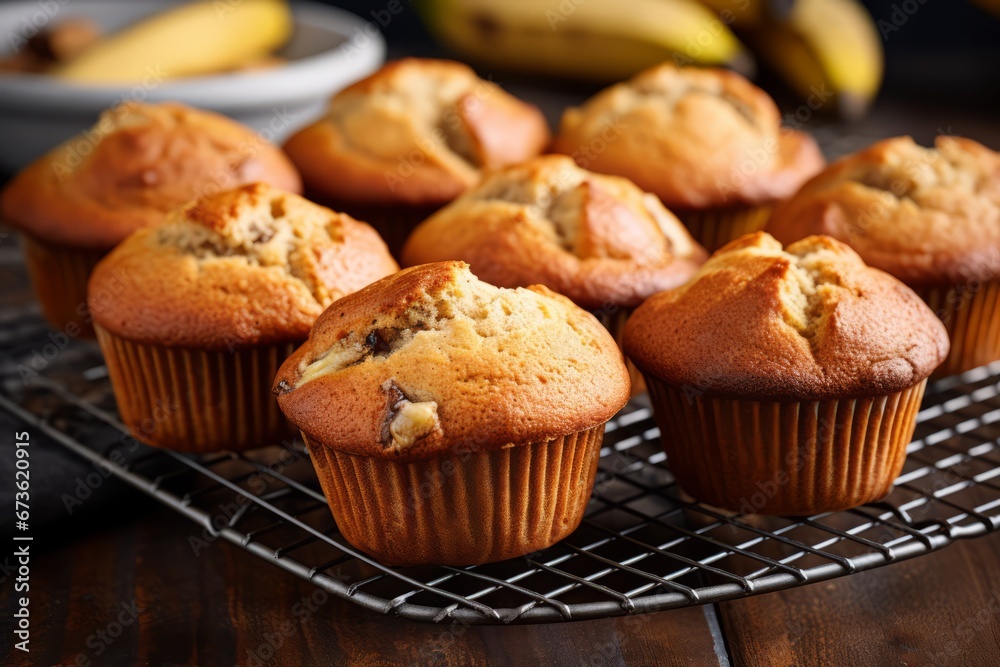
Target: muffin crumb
(259,225)
(462,301)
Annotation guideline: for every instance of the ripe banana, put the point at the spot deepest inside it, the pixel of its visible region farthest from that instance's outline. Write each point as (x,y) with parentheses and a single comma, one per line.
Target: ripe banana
(829,51)
(197,38)
(598,40)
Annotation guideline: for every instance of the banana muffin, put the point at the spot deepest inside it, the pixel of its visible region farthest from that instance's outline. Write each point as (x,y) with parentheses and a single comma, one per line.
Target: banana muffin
(598,240)
(930,217)
(707,142)
(451,421)
(196,315)
(786,381)
(134,165)
(401,143)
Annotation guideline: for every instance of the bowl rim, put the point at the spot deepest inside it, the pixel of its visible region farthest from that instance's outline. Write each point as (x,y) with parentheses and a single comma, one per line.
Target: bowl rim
(361,52)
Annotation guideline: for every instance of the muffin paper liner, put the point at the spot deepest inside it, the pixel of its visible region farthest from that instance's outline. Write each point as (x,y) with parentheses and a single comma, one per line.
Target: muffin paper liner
(972,318)
(463,507)
(615,324)
(59,275)
(715,227)
(193,400)
(757,457)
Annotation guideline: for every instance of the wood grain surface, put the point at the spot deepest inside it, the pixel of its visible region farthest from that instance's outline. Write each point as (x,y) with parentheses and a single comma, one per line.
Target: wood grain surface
(135,593)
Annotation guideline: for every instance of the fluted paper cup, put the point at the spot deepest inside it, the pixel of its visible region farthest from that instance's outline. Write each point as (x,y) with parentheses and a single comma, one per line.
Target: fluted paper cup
(794,458)
(465,507)
(59,275)
(195,400)
(972,318)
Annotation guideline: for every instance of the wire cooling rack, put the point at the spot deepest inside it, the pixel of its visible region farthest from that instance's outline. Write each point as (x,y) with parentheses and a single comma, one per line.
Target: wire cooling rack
(642,546)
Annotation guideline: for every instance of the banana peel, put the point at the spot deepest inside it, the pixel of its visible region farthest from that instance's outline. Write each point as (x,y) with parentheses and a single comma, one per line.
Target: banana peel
(828,51)
(198,38)
(595,40)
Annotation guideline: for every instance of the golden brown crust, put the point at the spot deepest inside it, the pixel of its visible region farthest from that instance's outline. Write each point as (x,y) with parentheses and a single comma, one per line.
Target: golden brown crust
(137,163)
(241,268)
(416,132)
(811,322)
(599,240)
(478,366)
(697,138)
(927,216)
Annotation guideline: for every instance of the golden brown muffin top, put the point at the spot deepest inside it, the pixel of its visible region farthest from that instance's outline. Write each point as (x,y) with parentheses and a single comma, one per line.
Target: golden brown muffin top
(810,322)
(695,137)
(249,266)
(431,361)
(929,216)
(599,240)
(415,132)
(137,163)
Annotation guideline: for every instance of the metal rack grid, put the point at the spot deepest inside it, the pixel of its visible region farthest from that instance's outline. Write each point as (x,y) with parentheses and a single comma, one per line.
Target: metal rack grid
(643,545)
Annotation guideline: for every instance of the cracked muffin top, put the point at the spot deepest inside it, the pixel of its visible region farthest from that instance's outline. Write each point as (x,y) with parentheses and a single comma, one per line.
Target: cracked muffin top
(929,216)
(138,162)
(696,138)
(249,266)
(599,240)
(415,132)
(810,322)
(431,360)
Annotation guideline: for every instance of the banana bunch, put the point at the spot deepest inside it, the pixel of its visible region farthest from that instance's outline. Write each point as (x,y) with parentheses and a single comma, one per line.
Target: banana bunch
(598,40)
(828,50)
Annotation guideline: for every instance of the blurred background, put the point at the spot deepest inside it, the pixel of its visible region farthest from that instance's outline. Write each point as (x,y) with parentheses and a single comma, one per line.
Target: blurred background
(850,71)
(919,67)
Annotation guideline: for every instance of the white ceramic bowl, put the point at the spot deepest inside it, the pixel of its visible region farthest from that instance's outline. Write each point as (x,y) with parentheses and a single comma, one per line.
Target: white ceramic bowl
(329,49)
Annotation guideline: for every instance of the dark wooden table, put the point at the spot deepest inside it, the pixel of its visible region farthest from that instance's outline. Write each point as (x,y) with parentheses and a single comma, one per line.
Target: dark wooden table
(135,593)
